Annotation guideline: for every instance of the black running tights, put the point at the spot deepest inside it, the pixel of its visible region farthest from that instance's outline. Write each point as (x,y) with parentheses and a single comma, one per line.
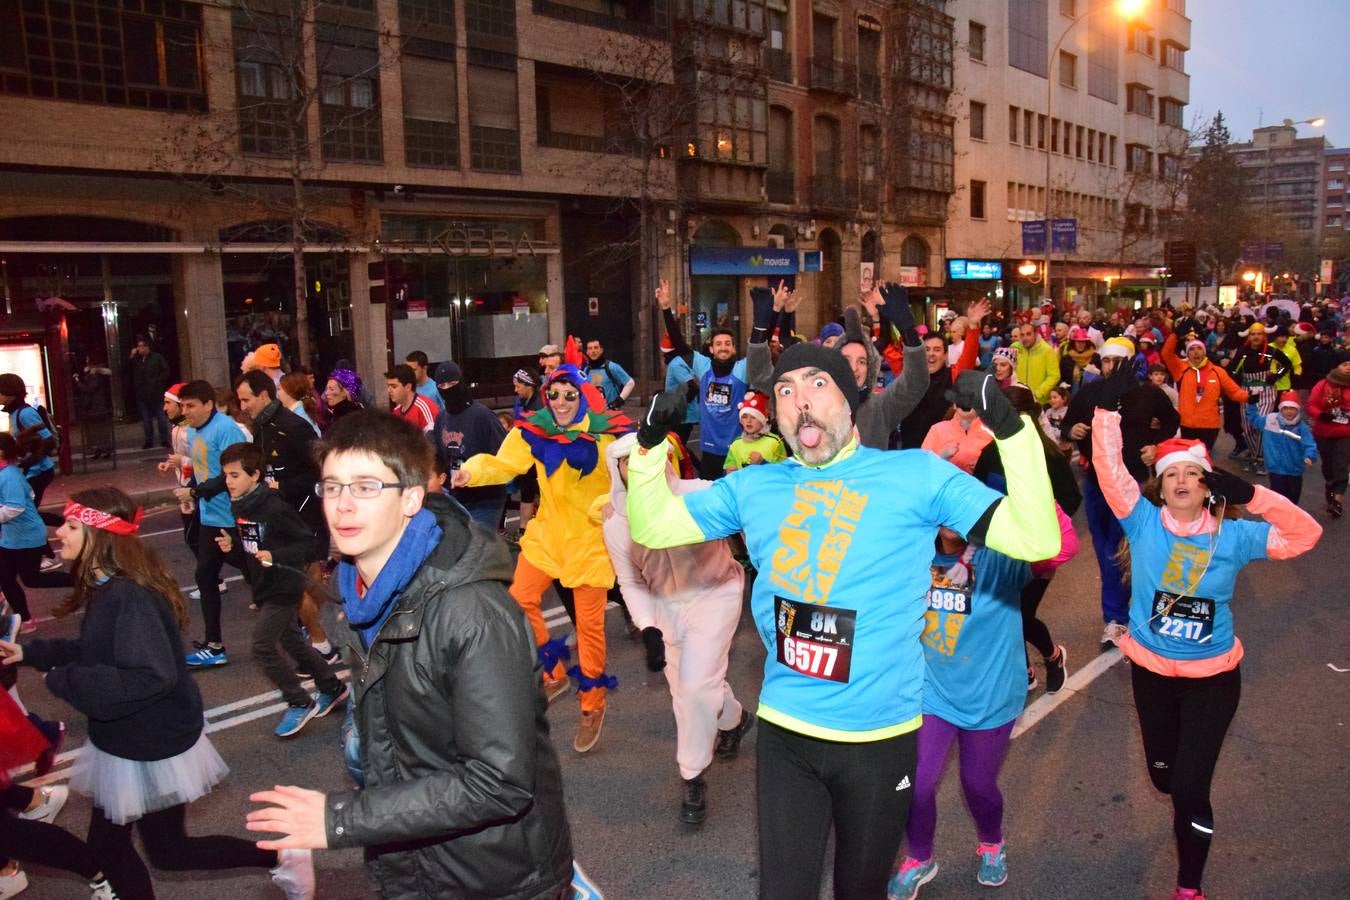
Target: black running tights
(168,846)
(45,845)
(1034,631)
(1183,722)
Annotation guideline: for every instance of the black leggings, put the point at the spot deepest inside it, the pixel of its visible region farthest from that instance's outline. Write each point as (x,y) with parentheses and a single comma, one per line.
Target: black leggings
(1183,722)
(168,846)
(20,567)
(804,785)
(46,845)
(1034,631)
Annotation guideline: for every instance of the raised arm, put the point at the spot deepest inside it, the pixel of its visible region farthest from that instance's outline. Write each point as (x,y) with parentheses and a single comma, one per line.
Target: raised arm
(512,458)
(1108,455)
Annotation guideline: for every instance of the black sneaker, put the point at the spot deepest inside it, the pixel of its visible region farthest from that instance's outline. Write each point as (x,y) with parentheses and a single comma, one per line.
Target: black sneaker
(1055,670)
(729,741)
(694,807)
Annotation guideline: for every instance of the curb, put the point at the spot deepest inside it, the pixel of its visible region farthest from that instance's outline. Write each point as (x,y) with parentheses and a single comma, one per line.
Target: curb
(147,499)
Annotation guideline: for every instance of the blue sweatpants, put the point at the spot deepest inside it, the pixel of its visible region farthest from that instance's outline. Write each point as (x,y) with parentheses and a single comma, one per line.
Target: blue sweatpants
(1106,537)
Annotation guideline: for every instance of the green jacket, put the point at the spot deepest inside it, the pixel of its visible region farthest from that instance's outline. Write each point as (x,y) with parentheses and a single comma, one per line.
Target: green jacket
(1038,369)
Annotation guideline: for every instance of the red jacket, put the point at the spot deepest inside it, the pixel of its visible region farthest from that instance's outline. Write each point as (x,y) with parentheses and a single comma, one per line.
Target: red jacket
(1326,397)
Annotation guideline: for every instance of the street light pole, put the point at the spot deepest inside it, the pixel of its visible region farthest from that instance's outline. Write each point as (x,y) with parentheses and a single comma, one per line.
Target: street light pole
(1128,9)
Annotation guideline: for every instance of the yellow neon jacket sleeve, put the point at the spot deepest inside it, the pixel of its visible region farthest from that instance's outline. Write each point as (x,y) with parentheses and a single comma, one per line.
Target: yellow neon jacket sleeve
(1024,524)
(511,459)
(657,517)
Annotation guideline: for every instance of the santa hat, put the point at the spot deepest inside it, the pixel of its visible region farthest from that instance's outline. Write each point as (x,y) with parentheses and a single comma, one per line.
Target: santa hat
(1181,450)
(1306,329)
(755,404)
(1147,338)
(172,393)
(1118,347)
(667,345)
(1079,333)
(1290,398)
(1196,343)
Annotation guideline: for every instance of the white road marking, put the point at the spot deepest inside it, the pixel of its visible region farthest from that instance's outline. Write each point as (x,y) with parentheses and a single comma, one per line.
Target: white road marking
(1072,685)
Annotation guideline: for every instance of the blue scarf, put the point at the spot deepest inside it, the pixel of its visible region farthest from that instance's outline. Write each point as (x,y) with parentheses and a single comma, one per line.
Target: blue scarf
(368,613)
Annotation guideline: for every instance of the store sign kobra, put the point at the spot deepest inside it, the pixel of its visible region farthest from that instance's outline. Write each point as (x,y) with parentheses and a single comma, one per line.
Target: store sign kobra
(475,241)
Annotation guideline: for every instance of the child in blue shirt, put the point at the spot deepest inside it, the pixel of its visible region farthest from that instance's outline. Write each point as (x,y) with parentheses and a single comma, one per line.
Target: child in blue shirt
(973,689)
(1288,443)
(23,537)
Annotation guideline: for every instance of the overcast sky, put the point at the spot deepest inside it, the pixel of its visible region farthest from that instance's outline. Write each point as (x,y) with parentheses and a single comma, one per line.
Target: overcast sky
(1261,61)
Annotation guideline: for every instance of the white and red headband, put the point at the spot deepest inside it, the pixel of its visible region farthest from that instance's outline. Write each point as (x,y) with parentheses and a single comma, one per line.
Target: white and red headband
(97,518)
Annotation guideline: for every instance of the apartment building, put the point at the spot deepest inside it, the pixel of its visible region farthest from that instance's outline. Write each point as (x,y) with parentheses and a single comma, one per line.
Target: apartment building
(1070,98)
(473,178)
(1334,177)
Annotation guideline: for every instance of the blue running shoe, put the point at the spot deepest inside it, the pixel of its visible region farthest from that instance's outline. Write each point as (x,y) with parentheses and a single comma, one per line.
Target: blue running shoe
(911,876)
(326,702)
(582,886)
(294,719)
(993,864)
(206,656)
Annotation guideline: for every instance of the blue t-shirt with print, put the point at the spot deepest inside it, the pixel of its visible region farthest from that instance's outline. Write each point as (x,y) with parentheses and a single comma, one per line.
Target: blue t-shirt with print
(841,594)
(28,417)
(718,399)
(972,641)
(25,530)
(204,446)
(1181,587)
(429,390)
(609,377)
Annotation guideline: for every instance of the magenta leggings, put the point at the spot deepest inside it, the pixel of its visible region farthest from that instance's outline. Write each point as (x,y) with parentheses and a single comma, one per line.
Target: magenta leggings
(982,755)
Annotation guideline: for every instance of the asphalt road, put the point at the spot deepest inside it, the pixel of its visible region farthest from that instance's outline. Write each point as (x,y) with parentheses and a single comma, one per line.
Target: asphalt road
(1082,820)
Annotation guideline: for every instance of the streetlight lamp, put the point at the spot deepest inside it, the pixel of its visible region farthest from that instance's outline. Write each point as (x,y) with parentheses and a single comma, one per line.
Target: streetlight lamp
(1128,10)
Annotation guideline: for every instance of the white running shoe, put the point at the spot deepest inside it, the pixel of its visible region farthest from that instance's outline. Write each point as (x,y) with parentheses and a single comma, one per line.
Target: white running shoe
(196,593)
(1112,633)
(101,890)
(51,565)
(52,797)
(294,874)
(12,885)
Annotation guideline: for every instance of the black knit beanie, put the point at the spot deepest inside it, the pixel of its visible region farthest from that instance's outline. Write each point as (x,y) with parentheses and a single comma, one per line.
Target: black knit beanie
(814,356)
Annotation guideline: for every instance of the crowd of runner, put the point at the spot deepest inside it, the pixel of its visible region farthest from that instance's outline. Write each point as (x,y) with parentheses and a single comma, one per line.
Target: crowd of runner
(790,475)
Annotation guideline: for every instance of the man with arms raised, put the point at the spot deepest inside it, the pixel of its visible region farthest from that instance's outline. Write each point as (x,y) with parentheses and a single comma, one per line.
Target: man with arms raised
(837,603)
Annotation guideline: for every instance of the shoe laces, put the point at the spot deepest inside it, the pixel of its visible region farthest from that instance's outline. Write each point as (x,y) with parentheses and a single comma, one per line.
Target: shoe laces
(1188,894)
(990,852)
(910,864)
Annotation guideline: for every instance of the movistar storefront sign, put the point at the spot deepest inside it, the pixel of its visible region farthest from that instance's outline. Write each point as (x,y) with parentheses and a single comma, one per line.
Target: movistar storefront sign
(742,261)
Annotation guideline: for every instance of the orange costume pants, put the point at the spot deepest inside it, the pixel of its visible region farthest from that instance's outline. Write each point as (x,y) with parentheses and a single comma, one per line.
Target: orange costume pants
(528,587)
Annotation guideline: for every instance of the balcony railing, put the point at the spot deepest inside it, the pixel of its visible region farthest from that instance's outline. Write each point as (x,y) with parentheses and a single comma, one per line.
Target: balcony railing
(778,63)
(831,192)
(833,76)
(780,187)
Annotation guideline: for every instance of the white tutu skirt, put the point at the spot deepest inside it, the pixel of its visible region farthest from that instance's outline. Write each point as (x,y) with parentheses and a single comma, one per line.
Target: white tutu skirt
(126,789)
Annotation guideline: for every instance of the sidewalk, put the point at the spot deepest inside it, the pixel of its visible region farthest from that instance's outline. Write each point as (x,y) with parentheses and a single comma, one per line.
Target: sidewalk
(135,473)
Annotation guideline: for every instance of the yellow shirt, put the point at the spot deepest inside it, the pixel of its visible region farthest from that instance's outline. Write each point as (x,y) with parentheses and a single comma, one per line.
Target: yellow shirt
(562,539)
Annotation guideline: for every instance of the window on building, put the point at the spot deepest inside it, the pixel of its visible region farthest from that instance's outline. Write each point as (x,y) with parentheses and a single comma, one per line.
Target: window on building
(490,18)
(931,39)
(869,153)
(1171,112)
(1113,150)
(1169,167)
(977,199)
(1078,141)
(139,53)
(1026,127)
(822,37)
(349,99)
(976,41)
(494,120)
(1138,159)
(1139,38)
(869,59)
(733,125)
(1333,221)
(1335,184)
(1103,65)
(1054,135)
(781,181)
(1068,69)
(777,54)
(1336,167)
(1028,27)
(1014,115)
(1068,8)
(430,111)
(264,109)
(976,120)
(1040,132)
(1138,99)
(1174,56)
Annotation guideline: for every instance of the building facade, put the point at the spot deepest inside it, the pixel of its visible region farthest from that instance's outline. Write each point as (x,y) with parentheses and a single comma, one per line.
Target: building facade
(1065,108)
(355,179)
(1335,174)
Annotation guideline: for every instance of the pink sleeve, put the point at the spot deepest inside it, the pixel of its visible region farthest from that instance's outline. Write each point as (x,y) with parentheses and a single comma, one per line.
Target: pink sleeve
(1068,547)
(1292,530)
(1108,459)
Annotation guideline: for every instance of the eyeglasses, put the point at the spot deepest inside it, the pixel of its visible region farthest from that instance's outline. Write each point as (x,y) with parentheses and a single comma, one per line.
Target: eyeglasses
(569,396)
(365,489)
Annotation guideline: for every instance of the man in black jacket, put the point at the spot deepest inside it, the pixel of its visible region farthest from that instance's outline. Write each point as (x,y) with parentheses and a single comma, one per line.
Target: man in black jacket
(463,792)
(149,378)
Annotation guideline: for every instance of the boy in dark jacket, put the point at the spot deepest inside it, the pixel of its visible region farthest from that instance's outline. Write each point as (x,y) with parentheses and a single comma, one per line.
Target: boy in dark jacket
(463,793)
(276,544)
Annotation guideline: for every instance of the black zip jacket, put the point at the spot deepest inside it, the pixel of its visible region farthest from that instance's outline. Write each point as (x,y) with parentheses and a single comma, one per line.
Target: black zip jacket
(266,521)
(463,795)
(126,672)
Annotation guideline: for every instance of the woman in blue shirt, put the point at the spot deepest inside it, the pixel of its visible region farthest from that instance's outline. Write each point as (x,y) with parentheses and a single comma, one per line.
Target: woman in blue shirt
(23,537)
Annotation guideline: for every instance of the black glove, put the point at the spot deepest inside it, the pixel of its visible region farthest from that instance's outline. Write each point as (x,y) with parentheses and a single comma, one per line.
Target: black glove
(1116,385)
(615,404)
(896,311)
(655,643)
(1326,416)
(761,301)
(664,412)
(980,392)
(1227,486)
